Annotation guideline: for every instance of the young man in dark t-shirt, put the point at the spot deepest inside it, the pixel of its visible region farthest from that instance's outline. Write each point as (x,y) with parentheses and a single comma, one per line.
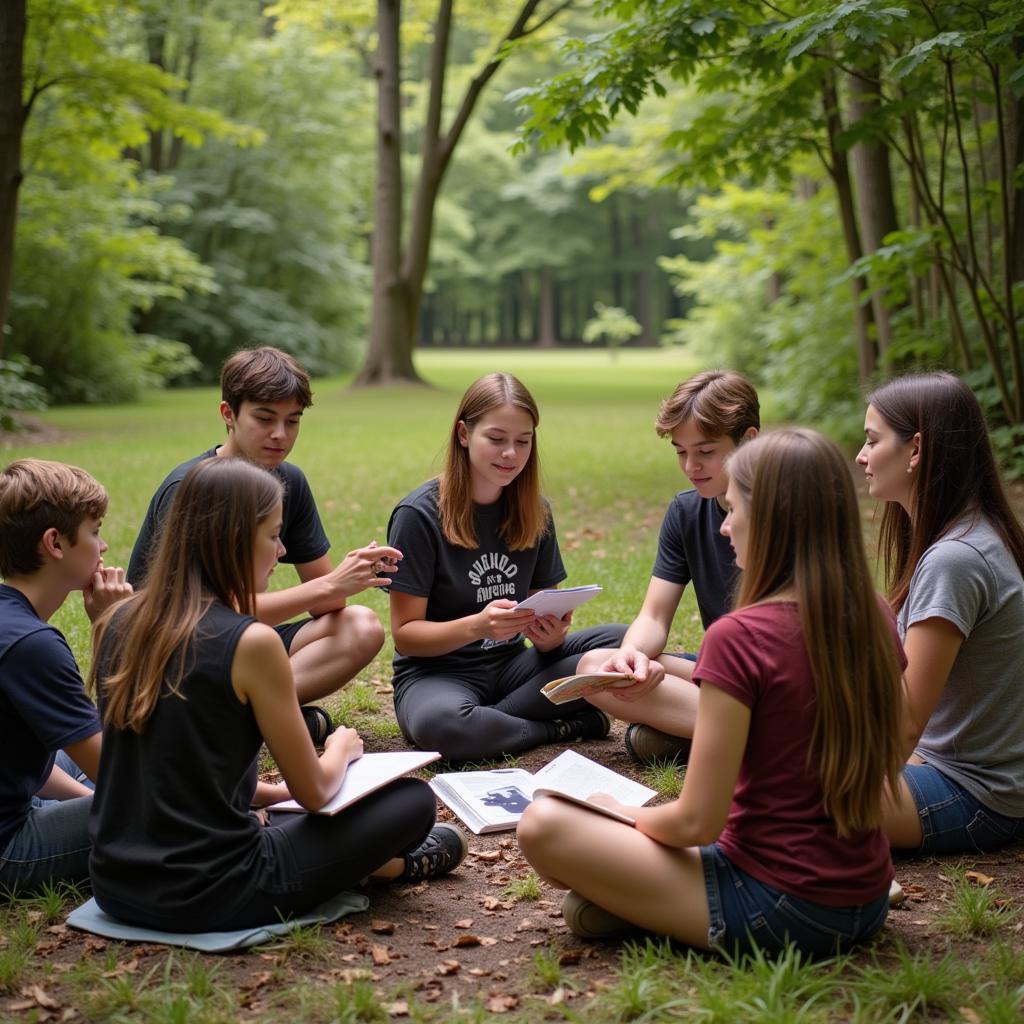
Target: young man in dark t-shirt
(706,417)
(264,394)
(49,545)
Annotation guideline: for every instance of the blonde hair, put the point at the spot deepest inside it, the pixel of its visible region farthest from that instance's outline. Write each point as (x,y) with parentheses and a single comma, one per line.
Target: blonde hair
(805,536)
(526,516)
(204,554)
(35,496)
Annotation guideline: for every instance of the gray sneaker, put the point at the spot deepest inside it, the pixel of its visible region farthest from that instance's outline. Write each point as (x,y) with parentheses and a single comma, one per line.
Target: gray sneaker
(589,921)
(647,746)
(443,850)
(588,724)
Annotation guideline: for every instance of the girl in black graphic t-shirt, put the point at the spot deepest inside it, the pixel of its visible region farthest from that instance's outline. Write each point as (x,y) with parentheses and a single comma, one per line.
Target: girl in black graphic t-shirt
(190,685)
(476,541)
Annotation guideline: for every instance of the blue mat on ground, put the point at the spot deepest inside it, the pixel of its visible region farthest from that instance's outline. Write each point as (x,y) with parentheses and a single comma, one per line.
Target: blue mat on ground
(89,918)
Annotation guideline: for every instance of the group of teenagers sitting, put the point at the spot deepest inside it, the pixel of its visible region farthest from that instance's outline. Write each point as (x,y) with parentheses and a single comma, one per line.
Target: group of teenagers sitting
(822,725)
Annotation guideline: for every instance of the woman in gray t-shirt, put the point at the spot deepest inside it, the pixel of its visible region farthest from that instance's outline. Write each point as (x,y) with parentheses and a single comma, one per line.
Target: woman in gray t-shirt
(954,554)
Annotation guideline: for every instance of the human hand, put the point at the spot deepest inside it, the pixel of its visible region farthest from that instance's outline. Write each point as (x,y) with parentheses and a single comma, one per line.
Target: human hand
(347,740)
(607,800)
(546,632)
(502,620)
(647,674)
(107,587)
(370,566)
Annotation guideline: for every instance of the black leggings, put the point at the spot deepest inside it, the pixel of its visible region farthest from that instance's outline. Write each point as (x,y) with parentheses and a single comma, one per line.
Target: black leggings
(337,852)
(498,709)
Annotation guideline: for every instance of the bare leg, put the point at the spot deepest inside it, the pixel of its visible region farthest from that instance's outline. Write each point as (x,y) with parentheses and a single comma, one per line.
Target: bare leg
(620,869)
(671,706)
(329,651)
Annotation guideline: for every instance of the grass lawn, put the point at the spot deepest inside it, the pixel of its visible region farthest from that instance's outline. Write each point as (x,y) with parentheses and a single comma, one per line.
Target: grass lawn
(956,955)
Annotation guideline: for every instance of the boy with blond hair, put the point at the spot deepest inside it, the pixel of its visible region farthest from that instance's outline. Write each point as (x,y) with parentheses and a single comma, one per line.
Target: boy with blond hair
(50,545)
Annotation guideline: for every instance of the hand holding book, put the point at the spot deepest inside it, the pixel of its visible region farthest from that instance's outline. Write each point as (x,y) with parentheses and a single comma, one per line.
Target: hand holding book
(560,691)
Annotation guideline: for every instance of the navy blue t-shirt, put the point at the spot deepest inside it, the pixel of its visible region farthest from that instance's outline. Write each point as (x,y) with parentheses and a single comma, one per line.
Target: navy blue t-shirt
(302,535)
(459,581)
(43,706)
(691,547)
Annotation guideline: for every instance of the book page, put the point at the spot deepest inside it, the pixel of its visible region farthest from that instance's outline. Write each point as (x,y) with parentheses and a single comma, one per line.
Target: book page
(577,775)
(364,776)
(560,602)
(492,798)
(580,802)
(559,691)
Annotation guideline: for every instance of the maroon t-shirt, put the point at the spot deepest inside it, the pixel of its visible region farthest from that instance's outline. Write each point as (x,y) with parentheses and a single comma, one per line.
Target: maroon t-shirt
(777,828)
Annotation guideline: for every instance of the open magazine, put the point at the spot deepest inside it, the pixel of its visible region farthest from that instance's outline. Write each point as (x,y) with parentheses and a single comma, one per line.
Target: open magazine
(494,800)
(559,691)
(364,776)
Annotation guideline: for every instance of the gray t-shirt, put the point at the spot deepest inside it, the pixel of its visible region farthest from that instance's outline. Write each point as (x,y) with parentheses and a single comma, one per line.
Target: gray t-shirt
(976,734)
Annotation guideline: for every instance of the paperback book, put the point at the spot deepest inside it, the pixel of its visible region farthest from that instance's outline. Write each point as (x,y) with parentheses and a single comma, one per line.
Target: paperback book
(560,602)
(494,800)
(559,691)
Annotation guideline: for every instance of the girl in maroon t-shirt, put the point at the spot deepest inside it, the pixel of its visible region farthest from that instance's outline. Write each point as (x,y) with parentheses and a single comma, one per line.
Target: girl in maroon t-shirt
(775,836)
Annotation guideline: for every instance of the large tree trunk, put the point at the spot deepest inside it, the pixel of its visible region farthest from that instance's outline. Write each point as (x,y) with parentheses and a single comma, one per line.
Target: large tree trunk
(546,309)
(398,274)
(876,200)
(12,124)
(839,169)
(389,356)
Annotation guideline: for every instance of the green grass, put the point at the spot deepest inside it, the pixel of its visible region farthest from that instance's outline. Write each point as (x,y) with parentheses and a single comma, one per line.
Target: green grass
(609,479)
(525,889)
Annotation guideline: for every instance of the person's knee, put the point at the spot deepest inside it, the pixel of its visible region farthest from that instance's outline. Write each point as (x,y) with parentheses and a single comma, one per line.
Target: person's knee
(449,733)
(361,631)
(543,819)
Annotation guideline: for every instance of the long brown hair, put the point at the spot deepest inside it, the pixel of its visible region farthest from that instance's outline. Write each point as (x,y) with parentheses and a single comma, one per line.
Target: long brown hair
(956,473)
(526,516)
(805,536)
(204,553)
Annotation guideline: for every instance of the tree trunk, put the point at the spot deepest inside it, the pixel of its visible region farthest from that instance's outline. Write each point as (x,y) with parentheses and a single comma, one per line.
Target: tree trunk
(399,274)
(545,309)
(389,355)
(876,200)
(12,124)
(839,170)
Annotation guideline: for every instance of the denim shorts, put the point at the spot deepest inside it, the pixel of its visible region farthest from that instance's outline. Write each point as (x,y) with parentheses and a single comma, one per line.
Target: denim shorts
(747,914)
(953,821)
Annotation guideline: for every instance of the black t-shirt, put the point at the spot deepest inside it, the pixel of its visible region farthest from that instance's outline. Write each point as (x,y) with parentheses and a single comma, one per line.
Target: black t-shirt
(43,706)
(302,535)
(460,581)
(691,547)
(174,843)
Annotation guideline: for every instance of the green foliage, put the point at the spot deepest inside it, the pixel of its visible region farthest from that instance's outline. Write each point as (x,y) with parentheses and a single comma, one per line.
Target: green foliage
(523,889)
(612,325)
(18,392)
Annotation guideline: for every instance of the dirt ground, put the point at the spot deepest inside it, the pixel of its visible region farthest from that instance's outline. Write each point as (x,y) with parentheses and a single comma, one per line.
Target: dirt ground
(463,937)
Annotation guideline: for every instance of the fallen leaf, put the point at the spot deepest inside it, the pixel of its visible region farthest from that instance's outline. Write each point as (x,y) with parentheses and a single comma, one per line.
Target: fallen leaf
(486,940)
(466,922)
(448,967)
(380,955)
(502,1004)
(351,974)
(979,879)
(568,957)
(486,854)
(399,1008)
(35,993)
(558,996)
(382,927)
(968,1014)
(257,981)
(468,940)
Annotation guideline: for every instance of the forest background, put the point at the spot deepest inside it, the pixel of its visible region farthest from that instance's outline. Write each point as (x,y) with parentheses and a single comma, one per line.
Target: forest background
(817,193)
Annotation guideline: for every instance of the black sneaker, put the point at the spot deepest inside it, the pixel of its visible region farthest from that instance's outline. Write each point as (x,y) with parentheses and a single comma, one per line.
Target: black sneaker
(588,724)
(443,850)
(318,722)
(647,746)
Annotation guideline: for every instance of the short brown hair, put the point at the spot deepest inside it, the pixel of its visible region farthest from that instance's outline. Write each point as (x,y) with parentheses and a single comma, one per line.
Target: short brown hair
(263,375)
(36,495)
(723,403)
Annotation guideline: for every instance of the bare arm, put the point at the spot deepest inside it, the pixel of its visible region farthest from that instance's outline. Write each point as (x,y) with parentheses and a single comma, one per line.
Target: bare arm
(60,786)
(325,589)
(417,637)
(261,675)
(86,754)
(931,647)
(699,814)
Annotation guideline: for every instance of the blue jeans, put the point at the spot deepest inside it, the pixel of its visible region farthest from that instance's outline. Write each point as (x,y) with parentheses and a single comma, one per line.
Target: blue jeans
(53,843)
(747,914)
(953,821)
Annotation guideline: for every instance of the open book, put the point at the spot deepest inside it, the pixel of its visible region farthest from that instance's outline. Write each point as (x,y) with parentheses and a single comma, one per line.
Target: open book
(494,800)
(559,691)
(560,602)
(362,777)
